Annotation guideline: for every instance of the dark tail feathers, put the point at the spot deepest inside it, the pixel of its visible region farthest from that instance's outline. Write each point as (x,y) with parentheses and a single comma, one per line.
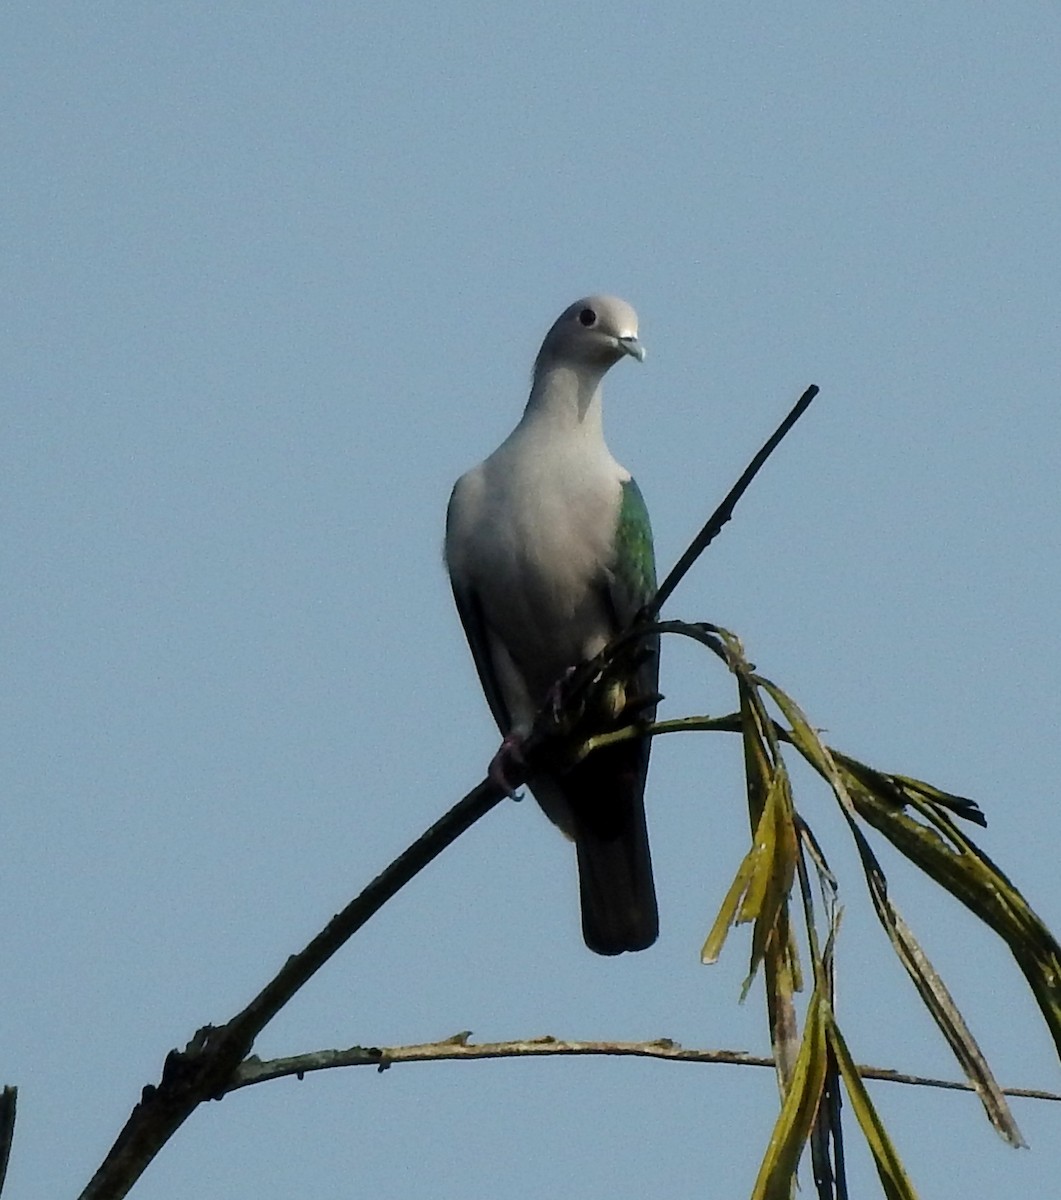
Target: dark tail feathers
(606,794)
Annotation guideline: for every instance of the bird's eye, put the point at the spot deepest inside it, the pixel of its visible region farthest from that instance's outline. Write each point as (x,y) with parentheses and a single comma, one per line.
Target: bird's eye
(587,317)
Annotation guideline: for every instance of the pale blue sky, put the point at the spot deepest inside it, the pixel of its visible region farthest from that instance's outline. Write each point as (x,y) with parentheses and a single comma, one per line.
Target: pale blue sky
(272,276)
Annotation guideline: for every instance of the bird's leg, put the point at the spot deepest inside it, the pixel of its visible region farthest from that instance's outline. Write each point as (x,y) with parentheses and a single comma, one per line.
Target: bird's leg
(510,751)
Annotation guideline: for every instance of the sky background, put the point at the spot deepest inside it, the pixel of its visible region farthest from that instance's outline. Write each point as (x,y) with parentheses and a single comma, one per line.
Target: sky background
(271,277)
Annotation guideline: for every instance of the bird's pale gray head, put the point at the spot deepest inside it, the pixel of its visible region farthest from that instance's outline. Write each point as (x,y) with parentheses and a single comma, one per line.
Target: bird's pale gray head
(594,332)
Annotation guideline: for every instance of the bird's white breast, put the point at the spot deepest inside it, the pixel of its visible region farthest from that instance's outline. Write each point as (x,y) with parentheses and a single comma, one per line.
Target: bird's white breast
(532,534)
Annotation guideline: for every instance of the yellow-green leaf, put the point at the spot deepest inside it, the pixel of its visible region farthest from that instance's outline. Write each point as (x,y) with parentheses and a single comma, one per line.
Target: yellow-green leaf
(777,1173)
(727,914)
(893,1177)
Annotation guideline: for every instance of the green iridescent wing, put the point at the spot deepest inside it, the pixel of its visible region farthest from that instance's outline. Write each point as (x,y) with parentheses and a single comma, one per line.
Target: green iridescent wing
(631,583)
(634,566)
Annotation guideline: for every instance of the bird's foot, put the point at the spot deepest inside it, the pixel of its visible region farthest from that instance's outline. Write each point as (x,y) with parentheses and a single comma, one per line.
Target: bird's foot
(510,752)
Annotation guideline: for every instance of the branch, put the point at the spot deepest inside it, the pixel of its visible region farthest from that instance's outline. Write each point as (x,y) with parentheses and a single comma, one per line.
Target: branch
(725,510)
(459,1049)
(897,788)
(206,1067)
(8,1107)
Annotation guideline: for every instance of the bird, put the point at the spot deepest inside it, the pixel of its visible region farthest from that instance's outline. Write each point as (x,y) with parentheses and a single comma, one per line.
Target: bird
(549,551)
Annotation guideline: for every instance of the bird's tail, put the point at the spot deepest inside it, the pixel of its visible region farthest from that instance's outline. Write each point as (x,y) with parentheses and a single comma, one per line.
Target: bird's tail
(606,794)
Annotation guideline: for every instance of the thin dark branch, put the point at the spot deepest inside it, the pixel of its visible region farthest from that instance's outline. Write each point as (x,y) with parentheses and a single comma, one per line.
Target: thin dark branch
(205,1069)
(460,1049)
(342,927)
(725,510)
(8,1107)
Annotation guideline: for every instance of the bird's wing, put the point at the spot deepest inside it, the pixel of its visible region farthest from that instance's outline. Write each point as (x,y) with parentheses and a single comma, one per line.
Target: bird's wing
(460,552)
(631,580)
(470,610)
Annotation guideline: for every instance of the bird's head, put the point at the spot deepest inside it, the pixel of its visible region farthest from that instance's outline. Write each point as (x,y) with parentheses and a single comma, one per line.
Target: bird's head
(593,332)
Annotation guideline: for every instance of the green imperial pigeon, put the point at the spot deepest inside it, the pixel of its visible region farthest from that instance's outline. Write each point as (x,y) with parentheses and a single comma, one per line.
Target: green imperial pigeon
(549,551)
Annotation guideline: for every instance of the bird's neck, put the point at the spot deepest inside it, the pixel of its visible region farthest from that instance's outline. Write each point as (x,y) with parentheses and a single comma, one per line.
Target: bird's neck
(566,400)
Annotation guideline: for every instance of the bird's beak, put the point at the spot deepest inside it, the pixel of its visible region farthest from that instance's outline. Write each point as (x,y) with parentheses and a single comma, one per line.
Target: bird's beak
(630,345)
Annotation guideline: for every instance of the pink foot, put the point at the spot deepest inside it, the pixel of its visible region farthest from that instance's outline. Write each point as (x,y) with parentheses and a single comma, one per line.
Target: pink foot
(511,752)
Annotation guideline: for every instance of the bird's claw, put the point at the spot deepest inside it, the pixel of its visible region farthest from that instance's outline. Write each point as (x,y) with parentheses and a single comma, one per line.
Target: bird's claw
(510,751)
